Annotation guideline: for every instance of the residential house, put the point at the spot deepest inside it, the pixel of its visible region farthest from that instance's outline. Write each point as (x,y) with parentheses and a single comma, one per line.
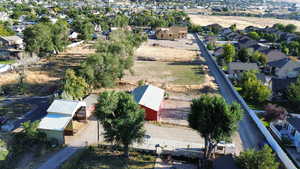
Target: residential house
(171,33)
(58,122)
(11,42)
(235,69)
(288,70)
(218,52)
(210,40)
(149,98)
(246,42)
(279,86)
(288,129)
(234,36)
(225,31)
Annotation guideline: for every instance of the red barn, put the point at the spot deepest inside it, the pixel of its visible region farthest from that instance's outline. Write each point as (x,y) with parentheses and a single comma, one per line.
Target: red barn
(150,98)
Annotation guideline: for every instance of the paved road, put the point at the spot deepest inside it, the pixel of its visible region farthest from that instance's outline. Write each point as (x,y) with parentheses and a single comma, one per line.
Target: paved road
(171,138)
(41,104)
(250,134)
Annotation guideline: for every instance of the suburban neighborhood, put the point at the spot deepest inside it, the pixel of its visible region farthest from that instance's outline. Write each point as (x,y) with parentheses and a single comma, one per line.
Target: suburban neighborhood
(149,84)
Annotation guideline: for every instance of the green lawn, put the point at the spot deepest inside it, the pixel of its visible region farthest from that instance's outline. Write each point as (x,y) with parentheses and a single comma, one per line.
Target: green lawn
(101,158)
(7,61)
(176,73)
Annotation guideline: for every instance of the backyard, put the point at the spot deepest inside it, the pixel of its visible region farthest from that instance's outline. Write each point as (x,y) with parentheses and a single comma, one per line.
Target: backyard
(105,158)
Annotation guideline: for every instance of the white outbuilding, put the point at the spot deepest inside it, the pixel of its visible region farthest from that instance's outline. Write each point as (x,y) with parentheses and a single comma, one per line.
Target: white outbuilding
(58,122)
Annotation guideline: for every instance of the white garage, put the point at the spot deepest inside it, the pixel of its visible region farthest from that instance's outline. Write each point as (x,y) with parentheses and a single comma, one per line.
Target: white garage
(58,122)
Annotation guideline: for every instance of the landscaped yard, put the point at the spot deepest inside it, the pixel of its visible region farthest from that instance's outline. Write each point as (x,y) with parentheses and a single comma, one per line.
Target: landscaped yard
(102,158)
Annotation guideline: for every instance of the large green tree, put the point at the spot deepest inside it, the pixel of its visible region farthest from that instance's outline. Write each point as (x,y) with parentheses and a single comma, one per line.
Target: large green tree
(229,53)
(263,159)
(293,94)
(122,119)
(214,119)
(59,34)
(38,39)
(253,90)
(74,87)
(254,35)
(84,27)
(112,58)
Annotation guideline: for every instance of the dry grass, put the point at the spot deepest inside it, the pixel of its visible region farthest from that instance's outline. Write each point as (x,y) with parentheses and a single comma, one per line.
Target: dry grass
(48,72)
(241,22)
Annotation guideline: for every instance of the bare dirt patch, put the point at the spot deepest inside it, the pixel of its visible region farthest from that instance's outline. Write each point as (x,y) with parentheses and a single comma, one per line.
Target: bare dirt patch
(241,22)
(167,50)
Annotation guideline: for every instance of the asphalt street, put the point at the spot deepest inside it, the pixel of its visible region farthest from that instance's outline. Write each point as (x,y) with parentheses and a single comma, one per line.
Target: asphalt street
(250,134)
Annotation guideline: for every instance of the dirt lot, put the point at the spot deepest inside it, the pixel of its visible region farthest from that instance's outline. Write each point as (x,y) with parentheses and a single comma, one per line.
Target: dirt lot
(241,22)
(46,74)
(177,67)
(166,50)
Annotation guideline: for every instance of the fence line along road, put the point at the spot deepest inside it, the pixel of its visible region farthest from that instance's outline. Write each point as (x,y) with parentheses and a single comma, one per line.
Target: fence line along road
(224,81)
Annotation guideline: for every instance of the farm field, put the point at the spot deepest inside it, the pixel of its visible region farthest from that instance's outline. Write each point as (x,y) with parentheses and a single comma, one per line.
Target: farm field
(241,22)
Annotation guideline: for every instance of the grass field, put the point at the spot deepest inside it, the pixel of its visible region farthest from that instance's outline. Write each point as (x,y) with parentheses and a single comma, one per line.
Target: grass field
(100,158)
(176,73)
(240,21)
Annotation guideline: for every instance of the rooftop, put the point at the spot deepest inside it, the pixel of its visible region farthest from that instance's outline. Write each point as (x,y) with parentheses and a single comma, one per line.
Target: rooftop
(242,66)
(67,107)
(149,96)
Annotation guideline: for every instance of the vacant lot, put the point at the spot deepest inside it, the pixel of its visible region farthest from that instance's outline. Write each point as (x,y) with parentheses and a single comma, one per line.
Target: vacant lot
(167,50)
(241,22)
(177,67)
(101,158)
(45,76)
(173,73)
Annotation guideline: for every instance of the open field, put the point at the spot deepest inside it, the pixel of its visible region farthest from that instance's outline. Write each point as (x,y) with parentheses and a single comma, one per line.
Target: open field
(176,73)
(240,21)
(101,158)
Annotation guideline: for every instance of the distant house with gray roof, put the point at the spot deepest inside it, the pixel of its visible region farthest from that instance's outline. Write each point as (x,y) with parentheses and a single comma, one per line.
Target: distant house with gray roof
(235,69)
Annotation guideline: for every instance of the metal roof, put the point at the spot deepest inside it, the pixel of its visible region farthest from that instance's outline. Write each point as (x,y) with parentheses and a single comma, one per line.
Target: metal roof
(55,122)
(67,107)
(149,96)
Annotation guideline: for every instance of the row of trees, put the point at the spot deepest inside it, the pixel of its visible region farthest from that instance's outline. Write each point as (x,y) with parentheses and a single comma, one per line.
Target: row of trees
(230,54)
(46,38)
(103,68)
